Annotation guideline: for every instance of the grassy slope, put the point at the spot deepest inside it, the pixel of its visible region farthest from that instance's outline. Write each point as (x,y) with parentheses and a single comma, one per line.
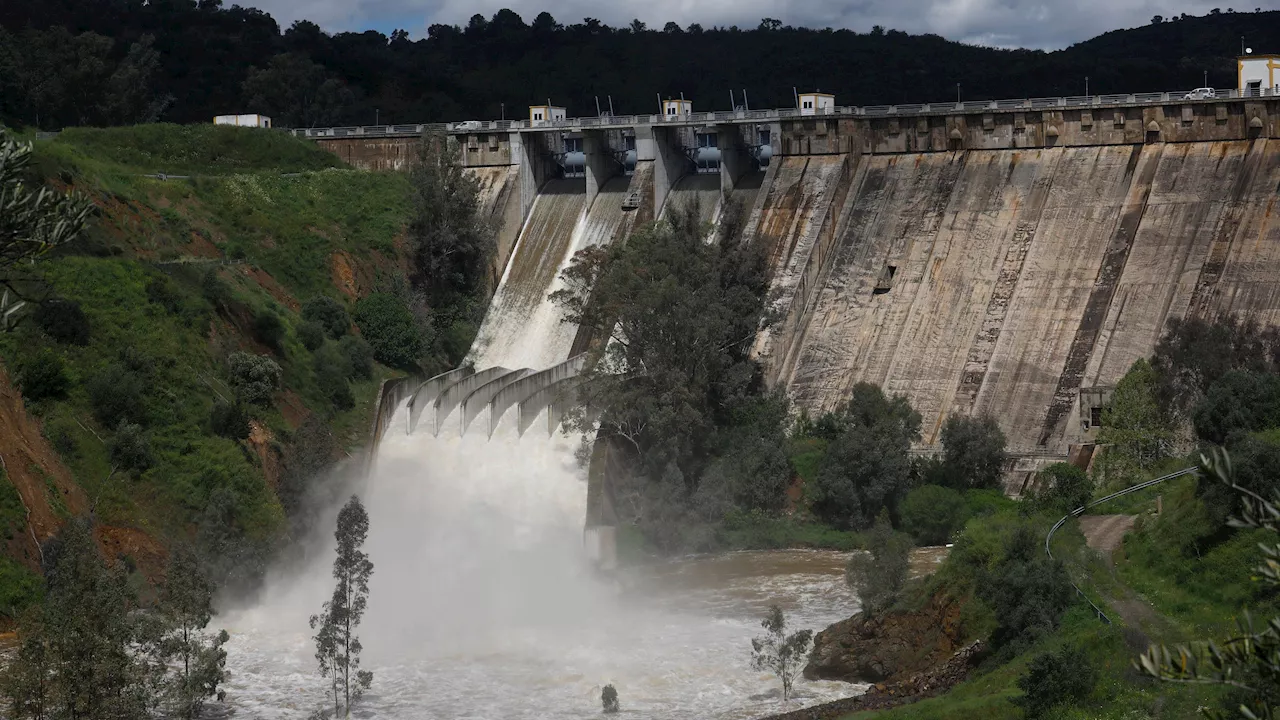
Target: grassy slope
(1191,598)
(281,235)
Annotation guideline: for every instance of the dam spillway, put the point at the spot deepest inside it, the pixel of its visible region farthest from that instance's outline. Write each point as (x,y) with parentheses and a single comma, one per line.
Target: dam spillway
(991,259)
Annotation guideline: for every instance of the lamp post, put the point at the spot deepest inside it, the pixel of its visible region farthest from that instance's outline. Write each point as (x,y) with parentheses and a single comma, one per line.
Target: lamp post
(958,93)
(377,117)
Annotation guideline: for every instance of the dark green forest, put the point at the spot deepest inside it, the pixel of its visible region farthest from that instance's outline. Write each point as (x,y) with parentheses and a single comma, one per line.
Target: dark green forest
(110,62)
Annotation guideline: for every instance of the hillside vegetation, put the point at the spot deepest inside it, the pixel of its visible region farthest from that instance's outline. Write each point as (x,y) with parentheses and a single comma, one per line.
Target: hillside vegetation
(187,62)
(1192,569)
(170,355)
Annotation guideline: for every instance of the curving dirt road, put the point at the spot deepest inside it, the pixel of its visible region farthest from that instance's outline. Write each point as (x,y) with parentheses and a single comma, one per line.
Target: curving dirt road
(1105,532)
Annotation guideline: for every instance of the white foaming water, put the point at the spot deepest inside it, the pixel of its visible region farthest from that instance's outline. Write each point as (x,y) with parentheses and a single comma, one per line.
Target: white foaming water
(482,603)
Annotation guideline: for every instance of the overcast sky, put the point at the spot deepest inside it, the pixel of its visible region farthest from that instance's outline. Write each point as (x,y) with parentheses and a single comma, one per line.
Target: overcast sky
(1045,24)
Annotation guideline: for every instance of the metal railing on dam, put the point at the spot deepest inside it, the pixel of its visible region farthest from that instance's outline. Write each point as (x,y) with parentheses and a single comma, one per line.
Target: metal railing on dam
(747,116)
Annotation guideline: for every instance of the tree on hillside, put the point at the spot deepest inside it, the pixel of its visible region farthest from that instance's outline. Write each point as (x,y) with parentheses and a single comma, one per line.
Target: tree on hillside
(878,574)
(1135,430)
(33,221)
(196,658)
(84,656)
(1026,591)
(1194,352)
(296,92)
(779,653)
(674,317)
(867,466)
(55,79)
(1061,488)
(452,245)
(972,452)
(337,646)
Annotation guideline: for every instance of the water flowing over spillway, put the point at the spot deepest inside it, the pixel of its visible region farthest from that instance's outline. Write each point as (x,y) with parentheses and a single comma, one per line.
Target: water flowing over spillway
(483,603)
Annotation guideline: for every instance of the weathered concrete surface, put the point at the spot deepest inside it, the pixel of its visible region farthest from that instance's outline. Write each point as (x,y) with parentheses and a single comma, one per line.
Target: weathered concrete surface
(500,205)
(526,387)
(702,188)
(375,154)
(1018,276)
(425,394)
(478,399)
(452,395)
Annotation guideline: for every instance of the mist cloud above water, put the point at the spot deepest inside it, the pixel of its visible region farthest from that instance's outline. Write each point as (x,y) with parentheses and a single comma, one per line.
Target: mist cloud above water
(1042,24)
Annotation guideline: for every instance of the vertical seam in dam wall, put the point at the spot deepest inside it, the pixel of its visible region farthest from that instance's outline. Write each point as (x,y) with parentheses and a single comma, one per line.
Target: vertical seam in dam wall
(1141,172)
(780,347)
(1220,250)
(974,372)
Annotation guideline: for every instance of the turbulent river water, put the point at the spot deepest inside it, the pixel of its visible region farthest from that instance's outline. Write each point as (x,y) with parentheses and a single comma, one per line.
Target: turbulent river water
(482,604)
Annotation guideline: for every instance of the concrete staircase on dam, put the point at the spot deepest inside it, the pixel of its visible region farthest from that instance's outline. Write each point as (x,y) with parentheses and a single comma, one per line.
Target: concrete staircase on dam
(1002,263)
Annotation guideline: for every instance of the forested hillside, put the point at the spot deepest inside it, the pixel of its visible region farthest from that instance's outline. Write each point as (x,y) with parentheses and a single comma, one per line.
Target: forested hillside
(105,62)
(202,352)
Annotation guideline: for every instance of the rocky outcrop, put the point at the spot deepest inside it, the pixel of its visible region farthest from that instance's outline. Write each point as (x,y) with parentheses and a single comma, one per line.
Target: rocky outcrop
(934,681)
(888,648)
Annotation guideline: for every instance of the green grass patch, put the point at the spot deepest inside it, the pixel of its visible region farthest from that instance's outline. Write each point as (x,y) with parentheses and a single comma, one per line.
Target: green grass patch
(757,531)
(190,149)
(171,276)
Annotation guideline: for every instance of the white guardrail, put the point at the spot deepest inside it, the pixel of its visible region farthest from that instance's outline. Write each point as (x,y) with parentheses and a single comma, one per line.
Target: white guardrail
(617,121)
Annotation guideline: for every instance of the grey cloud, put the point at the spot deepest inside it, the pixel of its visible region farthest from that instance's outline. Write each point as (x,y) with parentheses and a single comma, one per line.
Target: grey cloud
(1046,24)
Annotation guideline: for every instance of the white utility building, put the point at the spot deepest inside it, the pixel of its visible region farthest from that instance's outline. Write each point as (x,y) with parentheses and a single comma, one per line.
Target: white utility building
(681,108)
(539,114)
(816,103)
(1258,73)
(253,120)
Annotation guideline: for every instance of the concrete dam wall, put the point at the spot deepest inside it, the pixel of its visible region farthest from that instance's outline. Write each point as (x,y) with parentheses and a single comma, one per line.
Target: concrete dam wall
(1003,281)
(994,261)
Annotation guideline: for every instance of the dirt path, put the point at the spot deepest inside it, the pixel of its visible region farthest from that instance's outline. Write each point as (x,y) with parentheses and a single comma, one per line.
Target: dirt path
(1104,533)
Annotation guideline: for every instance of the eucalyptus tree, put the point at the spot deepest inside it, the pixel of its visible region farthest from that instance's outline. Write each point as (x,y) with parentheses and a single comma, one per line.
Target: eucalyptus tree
(337,646)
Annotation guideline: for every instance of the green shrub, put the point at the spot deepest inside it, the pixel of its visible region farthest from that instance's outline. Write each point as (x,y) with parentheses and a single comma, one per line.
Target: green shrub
(359,357)
(268,329)
(311,335)
(64,321)
(130,448)
(390,328)
(42,376)
(329,313)
(332,370)
(20,588)
(1027,591)
(867,467)
(878,574)
(229,420)
(1055,678)
(973,452)
(1063,488)
(215,290)
(254,377)
(116,394)
(162,291)
(931,514)
(62,437)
